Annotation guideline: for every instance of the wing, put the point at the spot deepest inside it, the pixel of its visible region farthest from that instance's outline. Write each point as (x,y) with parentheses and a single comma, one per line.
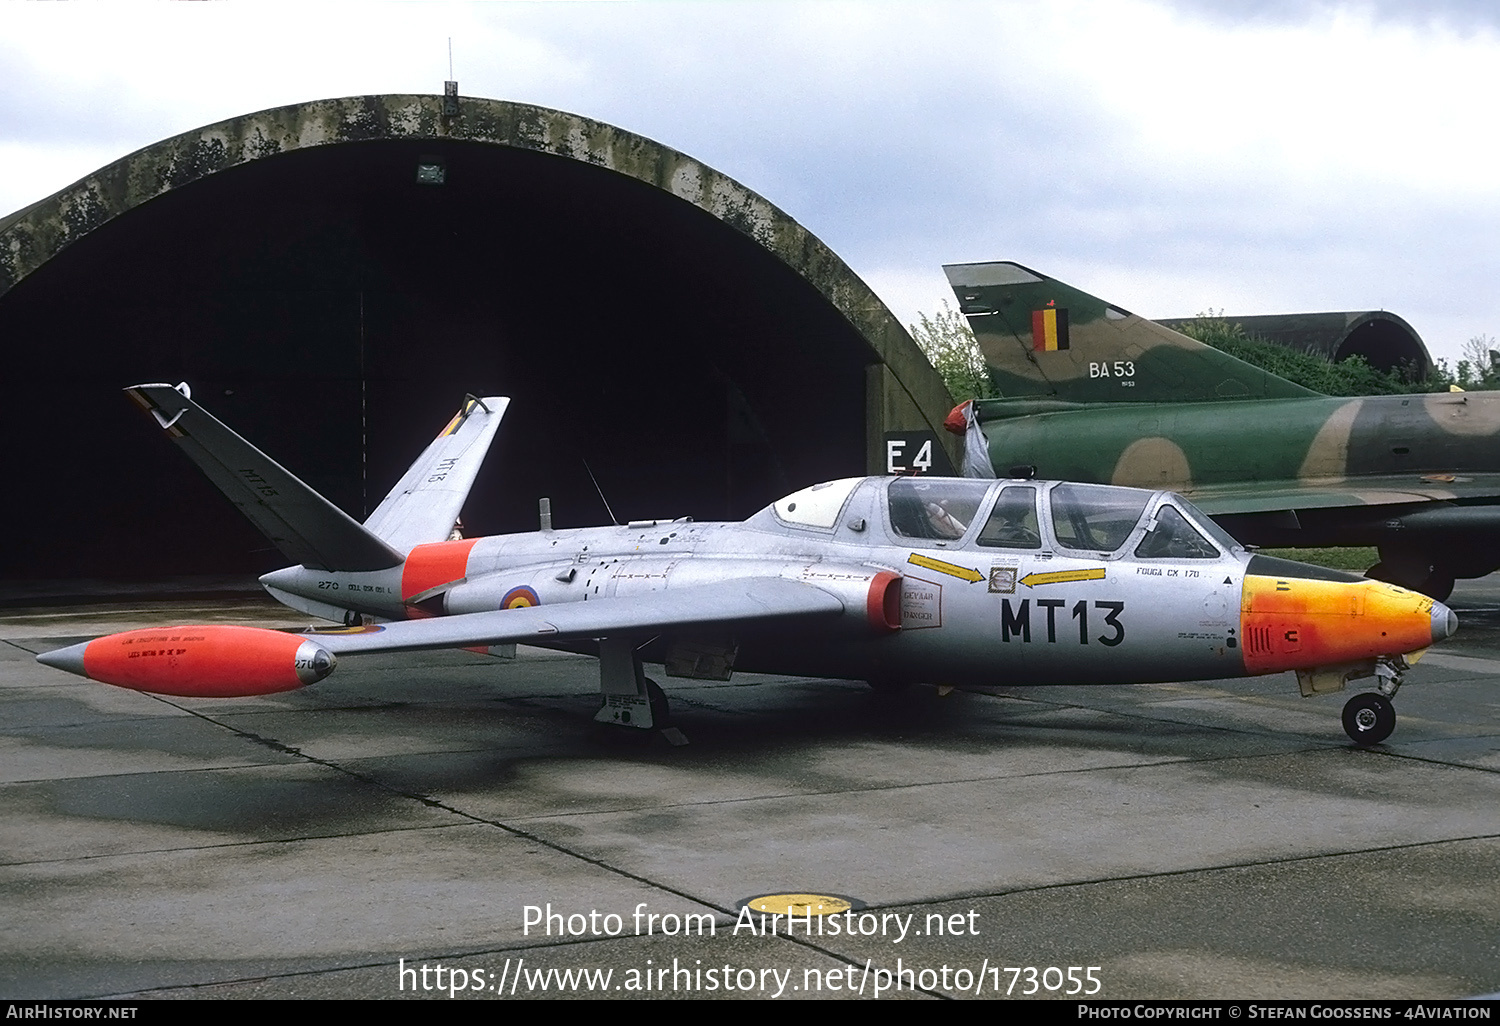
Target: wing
(746,600)
(221,661)
(306,527)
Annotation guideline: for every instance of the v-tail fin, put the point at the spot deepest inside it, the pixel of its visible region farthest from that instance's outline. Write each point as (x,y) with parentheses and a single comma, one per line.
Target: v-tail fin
(306,527)
(1043,339)
(426,501)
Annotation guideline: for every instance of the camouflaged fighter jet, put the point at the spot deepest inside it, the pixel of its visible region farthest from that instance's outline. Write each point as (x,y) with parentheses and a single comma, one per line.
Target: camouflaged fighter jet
(1095,393)
(892,580)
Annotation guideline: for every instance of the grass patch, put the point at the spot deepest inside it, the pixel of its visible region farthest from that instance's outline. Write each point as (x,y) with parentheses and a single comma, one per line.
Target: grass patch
(1356,560)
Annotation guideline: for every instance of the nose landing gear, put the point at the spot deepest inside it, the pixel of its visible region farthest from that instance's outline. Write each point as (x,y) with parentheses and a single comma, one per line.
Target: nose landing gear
(1369,718)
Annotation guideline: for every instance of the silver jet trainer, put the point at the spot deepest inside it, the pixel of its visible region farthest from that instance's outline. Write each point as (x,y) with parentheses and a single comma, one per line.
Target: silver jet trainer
(890,580)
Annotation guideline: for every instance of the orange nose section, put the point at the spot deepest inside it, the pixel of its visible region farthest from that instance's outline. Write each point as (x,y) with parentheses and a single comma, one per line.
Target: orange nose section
(1292,623)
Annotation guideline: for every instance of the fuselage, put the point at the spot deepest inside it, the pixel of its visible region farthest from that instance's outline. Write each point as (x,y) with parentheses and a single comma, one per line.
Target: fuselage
(1186,446)
(943,580)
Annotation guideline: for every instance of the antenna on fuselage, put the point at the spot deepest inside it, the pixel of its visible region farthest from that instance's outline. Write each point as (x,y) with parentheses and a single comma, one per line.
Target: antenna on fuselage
(612,518)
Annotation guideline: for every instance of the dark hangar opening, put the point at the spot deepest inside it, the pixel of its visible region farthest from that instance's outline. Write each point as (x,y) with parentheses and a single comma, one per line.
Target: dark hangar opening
(329,306)
(1386,345)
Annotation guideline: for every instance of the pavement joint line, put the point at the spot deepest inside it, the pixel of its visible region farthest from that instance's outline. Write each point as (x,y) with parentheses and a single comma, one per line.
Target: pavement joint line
(1429,760)
(599,863)
(498,953)
(414,707)
(477,953)
(232,844)
(838,956)
(1314,744)
(508,828)
(1185,761)
(437,804)
(875,788)
(1170,873)
(142,773)
(84,724)
(872,788)
(298,753)
(1060,703)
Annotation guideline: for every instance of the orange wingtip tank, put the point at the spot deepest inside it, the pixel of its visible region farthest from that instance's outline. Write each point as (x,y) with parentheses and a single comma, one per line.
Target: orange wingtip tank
(1295,623)
(198,662)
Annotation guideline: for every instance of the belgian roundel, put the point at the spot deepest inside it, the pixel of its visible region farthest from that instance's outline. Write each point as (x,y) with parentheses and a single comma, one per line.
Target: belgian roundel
(519,598)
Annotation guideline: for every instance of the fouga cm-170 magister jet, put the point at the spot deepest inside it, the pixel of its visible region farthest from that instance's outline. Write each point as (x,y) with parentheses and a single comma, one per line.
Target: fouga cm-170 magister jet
(891,580)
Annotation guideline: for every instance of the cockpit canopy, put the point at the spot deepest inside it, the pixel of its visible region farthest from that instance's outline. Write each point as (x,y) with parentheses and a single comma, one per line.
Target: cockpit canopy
(1101,520)
(818,505)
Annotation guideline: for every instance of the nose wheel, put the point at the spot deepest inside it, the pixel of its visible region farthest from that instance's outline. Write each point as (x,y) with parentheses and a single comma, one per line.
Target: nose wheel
(1369,718)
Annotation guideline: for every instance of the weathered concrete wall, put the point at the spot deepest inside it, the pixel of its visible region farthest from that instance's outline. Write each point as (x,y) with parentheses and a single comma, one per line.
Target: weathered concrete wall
(912,394)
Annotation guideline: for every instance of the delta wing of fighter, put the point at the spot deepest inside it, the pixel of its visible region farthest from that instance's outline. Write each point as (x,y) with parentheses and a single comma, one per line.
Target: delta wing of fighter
(890,580)
(1092,392)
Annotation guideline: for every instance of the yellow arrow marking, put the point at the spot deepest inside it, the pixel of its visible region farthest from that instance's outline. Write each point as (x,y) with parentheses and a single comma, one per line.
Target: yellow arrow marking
(1064,576)
(963,573)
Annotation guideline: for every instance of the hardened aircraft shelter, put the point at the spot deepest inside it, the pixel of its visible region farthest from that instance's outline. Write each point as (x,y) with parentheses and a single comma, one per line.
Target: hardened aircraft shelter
(332,277)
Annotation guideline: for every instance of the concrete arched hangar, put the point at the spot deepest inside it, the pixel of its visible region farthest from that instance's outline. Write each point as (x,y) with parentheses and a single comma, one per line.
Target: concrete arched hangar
(1385,340)
(332,277)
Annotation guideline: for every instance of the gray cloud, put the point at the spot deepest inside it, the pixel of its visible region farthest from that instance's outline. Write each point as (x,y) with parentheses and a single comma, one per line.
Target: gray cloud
(903,135)
(1458,15)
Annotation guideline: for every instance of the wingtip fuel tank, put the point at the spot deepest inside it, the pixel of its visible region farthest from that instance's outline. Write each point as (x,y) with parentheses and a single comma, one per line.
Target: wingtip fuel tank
(215,661)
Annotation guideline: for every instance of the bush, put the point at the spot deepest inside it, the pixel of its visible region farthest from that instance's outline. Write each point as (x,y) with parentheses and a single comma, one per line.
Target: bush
(1352,376)
(949,345)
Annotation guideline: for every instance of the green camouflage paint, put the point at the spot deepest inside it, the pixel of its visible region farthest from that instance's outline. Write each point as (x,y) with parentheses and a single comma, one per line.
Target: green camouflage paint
(1132,402)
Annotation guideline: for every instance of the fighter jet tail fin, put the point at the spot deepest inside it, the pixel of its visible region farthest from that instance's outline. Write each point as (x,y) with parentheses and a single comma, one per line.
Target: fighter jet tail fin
(306,527)
(1043,339)
(426,502)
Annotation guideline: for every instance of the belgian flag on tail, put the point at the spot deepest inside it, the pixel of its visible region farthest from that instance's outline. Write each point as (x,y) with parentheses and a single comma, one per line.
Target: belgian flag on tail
(1049,330)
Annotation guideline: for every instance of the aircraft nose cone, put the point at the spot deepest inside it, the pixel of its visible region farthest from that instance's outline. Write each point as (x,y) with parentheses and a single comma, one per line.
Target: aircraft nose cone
(70,658)
(1444,622)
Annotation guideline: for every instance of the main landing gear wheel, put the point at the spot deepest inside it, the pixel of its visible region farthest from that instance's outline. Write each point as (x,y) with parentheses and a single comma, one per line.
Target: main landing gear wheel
(1369,718)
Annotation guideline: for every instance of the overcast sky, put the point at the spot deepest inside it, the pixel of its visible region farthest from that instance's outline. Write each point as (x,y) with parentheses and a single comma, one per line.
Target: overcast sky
(1173,158)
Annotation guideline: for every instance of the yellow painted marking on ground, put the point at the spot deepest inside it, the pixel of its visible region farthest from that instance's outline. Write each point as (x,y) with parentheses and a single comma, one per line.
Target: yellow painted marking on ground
(1064,576)
(963,573)
(799,904)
